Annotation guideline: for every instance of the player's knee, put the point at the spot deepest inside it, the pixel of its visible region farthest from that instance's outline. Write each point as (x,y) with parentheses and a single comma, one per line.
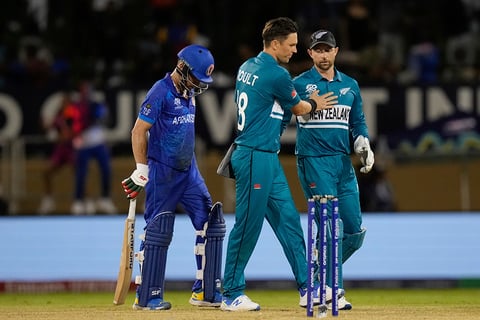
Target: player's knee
(216,222)
(159,231)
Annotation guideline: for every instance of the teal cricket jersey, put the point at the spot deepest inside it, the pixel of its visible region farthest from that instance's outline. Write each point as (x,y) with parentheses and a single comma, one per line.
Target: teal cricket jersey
(257,98)
(328,131)
(264,94)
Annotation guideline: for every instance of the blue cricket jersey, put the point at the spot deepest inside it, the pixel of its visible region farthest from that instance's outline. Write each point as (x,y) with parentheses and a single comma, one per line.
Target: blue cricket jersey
(257,98)
(172,135)
(328,132)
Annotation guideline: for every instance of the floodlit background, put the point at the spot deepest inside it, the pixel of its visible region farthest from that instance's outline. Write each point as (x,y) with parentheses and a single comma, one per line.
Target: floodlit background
(417,64)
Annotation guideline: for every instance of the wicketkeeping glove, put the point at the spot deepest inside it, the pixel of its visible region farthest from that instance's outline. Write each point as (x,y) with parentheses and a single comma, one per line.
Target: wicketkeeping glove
(136,182)
(362,148)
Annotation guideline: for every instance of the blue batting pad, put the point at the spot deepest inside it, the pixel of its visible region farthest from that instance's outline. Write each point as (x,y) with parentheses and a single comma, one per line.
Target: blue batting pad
(158,235)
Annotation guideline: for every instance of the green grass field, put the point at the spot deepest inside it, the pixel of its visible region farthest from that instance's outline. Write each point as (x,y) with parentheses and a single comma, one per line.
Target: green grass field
(368,304)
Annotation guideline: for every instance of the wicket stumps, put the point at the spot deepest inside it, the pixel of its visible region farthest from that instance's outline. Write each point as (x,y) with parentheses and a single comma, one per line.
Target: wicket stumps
(319,256)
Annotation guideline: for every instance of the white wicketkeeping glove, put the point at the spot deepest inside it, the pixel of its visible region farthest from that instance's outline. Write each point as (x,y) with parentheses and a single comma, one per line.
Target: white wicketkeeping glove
(136,182)
(362,148)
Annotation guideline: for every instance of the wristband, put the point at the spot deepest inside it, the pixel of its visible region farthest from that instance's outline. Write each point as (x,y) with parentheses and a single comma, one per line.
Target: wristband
(314,106)
(142,168)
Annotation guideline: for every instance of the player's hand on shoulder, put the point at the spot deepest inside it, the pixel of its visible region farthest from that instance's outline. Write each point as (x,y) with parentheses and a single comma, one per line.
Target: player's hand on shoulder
(134,184)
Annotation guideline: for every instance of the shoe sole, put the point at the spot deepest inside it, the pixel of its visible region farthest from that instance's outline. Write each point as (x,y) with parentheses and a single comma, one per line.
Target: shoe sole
(238,310)
(345,307)
(198,303)
(315,303)
(163,306)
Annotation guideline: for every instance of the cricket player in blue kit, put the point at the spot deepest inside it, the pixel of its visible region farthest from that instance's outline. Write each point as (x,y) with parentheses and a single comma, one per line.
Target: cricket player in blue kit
(263,91)
(163,141)
(323,145)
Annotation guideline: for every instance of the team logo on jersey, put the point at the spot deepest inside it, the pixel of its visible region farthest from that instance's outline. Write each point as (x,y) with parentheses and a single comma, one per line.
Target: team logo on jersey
(257,186)
(344,91)
(294,93)
(177,103)
(147,109)
(311,88)
(312,185)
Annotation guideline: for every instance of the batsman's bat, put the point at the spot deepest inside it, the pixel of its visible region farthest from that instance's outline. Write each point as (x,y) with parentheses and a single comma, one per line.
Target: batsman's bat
(126,260)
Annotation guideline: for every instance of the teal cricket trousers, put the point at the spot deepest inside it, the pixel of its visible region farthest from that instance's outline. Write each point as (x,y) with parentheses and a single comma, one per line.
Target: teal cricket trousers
(334,175)
(262,192)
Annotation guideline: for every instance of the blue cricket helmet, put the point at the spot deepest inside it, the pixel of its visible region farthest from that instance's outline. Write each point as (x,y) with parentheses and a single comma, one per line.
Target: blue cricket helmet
(200,61)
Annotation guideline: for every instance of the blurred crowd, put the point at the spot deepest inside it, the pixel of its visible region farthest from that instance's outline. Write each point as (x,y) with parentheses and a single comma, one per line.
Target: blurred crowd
(54,44)
(132,42)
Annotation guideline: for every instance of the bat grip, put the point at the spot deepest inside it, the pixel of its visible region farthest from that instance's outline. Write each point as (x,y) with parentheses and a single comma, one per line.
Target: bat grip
(131,208)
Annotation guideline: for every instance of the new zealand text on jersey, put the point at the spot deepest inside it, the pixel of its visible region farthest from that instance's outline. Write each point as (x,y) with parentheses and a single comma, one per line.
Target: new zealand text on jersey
(339,113)
(246,77)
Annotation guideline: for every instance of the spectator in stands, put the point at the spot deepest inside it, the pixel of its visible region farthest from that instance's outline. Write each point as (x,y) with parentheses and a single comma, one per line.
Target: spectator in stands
(90,142)
(63,153)
(423,61)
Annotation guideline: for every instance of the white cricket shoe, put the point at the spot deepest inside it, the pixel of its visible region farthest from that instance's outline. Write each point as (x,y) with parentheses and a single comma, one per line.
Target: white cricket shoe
(328,293)
(198,299)
(106,205)
(343,304)
(82,208)
(78,208)
(89,207)
(46,206)
(240,303)
(304,297)
(316,296)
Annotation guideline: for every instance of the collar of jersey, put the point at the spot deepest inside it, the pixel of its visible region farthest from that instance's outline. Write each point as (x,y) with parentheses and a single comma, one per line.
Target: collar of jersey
(267,57)
(316,74)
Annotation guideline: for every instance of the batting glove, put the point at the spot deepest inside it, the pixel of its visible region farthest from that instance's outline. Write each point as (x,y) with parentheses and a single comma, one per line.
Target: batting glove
(367,158)
(136,182)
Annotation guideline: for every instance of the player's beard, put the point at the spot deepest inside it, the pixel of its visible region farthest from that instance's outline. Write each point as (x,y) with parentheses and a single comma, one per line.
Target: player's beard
(284,60)
(324,65)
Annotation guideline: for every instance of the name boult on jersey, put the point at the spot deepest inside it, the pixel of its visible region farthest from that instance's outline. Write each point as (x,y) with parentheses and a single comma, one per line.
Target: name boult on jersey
(246,77)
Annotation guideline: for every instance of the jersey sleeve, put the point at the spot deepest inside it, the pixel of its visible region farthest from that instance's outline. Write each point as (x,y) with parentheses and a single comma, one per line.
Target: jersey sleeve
(287,116)
(358,126)
(151,106)
(284,90)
